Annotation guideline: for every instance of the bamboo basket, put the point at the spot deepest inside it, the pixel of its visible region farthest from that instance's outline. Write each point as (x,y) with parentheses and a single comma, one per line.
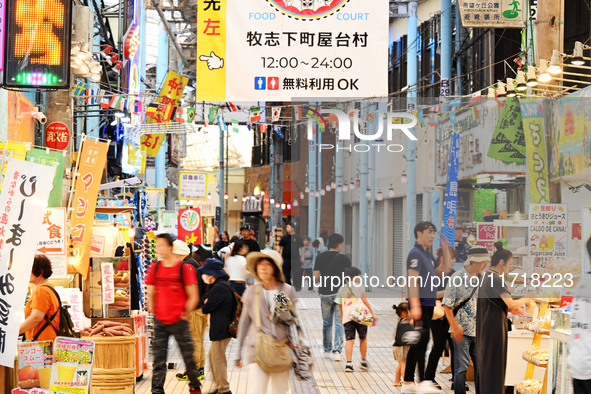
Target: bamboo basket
(114,365)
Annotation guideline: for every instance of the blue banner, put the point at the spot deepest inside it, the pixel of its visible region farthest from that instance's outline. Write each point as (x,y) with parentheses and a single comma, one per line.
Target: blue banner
(448,228)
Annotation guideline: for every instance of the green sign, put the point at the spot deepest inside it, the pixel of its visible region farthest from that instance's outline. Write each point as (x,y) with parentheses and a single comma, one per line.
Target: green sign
(508,142)
(535,143)
(47,157)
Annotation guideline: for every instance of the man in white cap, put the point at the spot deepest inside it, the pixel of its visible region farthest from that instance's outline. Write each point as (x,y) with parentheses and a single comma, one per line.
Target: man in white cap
(459,304)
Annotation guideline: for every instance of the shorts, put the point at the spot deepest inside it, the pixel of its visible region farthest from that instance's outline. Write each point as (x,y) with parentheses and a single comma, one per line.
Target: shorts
(351,327)
(400,352)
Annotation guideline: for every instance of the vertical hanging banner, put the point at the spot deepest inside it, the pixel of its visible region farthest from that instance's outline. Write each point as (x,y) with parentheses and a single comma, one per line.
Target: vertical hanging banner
(335,49)
(23,199)
(168,98)
(91,163)
(448,228)
(190,227)
(48,157)
(535,150)
(508,141)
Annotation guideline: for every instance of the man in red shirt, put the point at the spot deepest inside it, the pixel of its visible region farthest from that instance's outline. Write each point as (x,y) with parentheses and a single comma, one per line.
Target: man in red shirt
(172,295)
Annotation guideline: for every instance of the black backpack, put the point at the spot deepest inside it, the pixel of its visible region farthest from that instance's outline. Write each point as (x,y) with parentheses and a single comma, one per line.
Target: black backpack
(233,326)
(66,327)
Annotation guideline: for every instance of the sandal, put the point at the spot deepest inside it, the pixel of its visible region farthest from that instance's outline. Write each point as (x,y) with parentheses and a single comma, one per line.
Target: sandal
(399,384)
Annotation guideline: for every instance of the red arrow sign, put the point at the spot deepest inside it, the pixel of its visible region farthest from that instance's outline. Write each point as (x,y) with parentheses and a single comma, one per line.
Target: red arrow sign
(49,250)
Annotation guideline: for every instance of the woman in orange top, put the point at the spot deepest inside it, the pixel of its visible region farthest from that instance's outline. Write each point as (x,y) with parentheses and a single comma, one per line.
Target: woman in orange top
(43,302)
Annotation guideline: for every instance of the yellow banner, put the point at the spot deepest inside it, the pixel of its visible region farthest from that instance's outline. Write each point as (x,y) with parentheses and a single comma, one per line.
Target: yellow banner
(91,164)
(169,97)
(211,50)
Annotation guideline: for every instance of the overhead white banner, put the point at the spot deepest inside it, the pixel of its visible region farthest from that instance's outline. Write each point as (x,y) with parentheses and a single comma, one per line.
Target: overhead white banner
(23,201)
(278,50)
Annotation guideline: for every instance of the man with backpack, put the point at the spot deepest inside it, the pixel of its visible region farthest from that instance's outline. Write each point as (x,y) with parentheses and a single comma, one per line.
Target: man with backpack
(197,320)
(172,296)
(459,304)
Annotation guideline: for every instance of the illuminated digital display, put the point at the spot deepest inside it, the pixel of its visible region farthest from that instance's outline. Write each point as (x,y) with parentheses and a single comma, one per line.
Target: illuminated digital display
(37,46)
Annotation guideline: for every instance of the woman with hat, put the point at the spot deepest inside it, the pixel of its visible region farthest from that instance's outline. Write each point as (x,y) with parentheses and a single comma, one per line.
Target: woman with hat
(265,267)
(221,304)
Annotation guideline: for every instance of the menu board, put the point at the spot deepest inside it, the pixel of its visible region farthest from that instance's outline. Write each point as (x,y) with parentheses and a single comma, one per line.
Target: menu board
(34,364)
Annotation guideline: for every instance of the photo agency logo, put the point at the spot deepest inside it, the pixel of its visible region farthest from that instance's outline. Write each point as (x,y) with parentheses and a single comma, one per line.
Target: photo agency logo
(357,135)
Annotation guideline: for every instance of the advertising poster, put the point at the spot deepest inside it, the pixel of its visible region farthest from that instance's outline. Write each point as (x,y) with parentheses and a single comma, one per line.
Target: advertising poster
(193,186)
(23,199)
(72,365)
(486,236)
(535,147)
(93,157)
(34,364)
(275,50)
(47,157)
(548,230)
(190,226)
(53,237)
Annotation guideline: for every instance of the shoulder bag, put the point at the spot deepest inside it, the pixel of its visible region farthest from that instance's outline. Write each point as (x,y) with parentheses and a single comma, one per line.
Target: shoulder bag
(270,354)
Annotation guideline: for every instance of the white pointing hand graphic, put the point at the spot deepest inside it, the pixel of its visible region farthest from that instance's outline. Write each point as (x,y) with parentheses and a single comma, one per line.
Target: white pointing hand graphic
(213,61)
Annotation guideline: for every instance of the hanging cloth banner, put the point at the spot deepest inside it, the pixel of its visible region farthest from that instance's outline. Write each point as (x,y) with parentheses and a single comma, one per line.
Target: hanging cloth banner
(92,160)
(448,228)
(47,157)
(508,141)
(168,98)
(535,147)
(23,200)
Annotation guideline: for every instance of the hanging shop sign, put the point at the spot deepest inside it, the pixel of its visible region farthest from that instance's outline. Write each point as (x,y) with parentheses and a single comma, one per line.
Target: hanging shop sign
(108,283)
(37,44)
(52,240)
(448,228)
(131,42)
(57,136)
(192,186)
(72,365)
(56,159)
(548,230)
(495,13)
(168,99)
(571,138)
(190,226)
(508,140)
(535,147)
(337,48)
(92,160)
(24,194)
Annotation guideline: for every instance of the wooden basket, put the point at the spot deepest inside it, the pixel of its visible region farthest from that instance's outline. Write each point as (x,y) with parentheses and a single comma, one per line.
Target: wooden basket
(114,365)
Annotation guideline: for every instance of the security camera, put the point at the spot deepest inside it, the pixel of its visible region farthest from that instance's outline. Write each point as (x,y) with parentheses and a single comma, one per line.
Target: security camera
(40,117)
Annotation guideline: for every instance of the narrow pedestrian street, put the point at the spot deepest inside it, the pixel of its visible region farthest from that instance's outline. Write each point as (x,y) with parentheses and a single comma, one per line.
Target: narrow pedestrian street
(329,376)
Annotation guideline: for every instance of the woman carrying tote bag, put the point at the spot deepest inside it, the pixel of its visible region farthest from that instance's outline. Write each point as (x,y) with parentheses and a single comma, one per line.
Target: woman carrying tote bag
(267,355)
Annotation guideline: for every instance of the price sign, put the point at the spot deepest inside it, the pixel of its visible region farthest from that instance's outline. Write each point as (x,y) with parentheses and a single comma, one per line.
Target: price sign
(38,35)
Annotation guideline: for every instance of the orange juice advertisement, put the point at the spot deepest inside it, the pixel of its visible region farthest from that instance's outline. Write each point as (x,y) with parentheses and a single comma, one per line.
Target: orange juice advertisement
(34,364)
(72,365)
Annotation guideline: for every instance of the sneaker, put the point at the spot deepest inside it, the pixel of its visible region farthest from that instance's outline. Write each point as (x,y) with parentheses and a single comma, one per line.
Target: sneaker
(327,355)
(200,373)
(194,391)
(337,356)
(349,367)
(364,365)
(426,387)
(182,376)
(408,388)
(437,385)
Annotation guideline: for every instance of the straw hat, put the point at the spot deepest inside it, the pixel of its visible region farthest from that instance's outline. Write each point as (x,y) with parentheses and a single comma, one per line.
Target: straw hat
(253,257)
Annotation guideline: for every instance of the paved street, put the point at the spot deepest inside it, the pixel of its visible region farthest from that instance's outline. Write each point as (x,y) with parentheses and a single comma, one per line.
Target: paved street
(329,376)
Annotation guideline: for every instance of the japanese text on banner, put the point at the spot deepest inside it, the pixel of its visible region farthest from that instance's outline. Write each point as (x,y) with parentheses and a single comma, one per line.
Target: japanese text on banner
(168,99)
(23,199)
(535,148)
(92,159)
(448,228)
(108,283)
